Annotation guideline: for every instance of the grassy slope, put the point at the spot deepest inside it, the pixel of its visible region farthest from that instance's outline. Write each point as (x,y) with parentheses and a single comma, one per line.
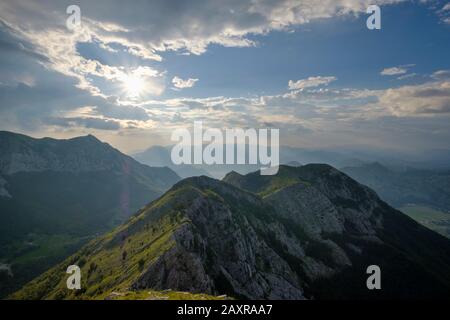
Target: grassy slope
(265,185)
(162,295)
(51,224)
(112,262)
(433,219)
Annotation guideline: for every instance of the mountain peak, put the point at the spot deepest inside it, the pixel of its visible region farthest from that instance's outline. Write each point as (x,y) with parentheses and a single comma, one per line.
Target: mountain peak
(377,166)
(232,175)
(197,181)
(89,138)
(20,153)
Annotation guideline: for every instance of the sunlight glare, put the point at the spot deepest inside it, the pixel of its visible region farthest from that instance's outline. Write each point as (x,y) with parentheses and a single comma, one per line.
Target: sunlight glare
(134,85)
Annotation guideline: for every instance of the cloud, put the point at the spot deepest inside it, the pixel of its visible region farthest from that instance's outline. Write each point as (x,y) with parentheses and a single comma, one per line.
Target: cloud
(430,98)
(47,81)
(182,84)
(393,71)
(444,13)
(144,32)
(92,123)
(123,112)
(407,76)
(310,82)
(441,74)
(46,35)
(155,26)
(399,71)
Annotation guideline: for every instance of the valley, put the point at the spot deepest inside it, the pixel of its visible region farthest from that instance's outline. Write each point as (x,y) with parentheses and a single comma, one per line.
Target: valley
(430,218)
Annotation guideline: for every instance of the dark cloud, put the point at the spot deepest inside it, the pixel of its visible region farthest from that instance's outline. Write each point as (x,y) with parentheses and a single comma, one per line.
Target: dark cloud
(92,123)
(122,112)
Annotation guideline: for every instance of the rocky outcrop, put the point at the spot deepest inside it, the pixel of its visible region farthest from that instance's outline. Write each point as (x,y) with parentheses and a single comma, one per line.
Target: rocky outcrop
(220,251)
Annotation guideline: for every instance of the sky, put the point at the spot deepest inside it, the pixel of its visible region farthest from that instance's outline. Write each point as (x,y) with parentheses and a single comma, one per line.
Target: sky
(132,72)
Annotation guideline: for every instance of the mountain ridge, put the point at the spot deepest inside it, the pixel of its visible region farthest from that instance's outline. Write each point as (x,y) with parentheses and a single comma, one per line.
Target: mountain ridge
(308,238)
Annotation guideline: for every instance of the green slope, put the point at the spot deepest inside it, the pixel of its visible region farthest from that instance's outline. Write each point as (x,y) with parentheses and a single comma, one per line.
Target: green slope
(108,263)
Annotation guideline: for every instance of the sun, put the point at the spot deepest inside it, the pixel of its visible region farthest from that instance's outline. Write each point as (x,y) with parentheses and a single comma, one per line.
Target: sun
(133,85)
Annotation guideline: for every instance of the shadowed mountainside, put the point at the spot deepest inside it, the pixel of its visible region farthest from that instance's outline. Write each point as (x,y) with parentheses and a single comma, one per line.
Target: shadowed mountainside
(56,194)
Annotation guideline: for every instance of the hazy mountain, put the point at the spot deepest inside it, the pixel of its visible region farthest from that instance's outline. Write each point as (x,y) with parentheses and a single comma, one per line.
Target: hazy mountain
(158,156)
(351,157)
(293,164)
(55,194)
(307,232)
(408,186)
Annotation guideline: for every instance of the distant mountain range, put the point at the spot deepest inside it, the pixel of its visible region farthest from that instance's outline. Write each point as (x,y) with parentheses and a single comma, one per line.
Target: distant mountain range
(398,182)
(404,187)
(438,160)
(56,194)
(159,156)
(309,232)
